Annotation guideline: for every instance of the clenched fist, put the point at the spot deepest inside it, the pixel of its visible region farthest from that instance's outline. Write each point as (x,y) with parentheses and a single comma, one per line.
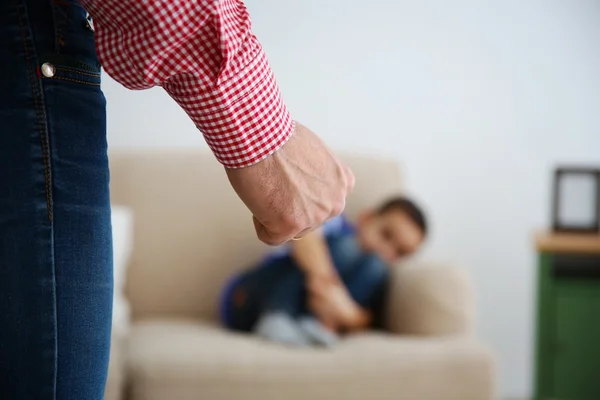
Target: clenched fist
(294,190)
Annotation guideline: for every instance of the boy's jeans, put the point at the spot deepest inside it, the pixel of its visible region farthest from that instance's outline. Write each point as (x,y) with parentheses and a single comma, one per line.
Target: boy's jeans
(55,233)
(280,285)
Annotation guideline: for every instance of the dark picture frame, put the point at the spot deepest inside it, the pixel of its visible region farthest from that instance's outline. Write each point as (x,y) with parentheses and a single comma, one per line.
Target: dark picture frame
(561,174)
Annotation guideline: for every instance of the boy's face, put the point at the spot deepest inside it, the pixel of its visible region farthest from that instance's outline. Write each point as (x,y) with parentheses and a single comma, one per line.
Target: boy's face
(390,235)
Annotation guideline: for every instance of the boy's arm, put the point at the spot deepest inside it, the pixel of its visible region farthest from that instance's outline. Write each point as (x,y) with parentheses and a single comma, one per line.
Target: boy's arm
(312,257)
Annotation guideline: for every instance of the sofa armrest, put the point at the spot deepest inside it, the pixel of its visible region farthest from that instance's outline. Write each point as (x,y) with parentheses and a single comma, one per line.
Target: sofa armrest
(430,299)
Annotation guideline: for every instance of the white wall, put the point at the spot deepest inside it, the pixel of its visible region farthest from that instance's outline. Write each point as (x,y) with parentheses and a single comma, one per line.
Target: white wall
(479,102)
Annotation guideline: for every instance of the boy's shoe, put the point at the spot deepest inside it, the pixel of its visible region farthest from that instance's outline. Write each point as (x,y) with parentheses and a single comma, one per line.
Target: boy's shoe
(281,328)
(317,332)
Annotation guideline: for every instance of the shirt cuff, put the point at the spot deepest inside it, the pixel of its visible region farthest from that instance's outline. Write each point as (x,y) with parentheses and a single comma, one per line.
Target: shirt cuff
(243,117)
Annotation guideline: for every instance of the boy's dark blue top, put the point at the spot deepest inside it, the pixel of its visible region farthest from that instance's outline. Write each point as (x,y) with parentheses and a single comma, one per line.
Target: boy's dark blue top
(364,274)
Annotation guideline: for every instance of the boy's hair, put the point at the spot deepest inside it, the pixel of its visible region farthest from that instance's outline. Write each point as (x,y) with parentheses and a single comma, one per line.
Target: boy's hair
(408,207)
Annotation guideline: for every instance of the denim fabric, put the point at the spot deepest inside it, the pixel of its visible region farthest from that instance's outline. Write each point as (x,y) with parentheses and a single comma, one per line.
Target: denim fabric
(245,297)
(279,285)
(55,233)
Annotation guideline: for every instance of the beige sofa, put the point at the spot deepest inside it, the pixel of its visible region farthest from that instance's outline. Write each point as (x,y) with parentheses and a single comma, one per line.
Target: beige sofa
(192,232)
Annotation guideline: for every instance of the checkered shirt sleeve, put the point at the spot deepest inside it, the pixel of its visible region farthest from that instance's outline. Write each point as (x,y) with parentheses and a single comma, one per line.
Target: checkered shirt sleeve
(204,54)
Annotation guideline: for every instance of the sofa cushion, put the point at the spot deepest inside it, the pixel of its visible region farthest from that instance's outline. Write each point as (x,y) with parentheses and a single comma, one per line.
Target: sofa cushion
(181,360)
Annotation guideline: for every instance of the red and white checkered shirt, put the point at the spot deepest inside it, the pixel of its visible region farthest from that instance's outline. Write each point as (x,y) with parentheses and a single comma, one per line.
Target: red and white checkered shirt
(206,57)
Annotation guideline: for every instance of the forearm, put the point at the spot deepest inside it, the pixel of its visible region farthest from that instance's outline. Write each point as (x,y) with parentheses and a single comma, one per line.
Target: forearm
(312,256)
(329,299)
(204,54)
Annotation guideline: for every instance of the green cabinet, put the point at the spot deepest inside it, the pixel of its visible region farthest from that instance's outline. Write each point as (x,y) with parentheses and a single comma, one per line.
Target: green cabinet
(567,364)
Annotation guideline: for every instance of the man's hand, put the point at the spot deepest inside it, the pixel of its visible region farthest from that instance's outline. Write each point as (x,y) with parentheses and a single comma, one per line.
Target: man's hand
(295,190)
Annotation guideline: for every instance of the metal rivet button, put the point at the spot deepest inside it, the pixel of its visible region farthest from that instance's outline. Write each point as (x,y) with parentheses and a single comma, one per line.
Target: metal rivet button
(48,70)
(89,23)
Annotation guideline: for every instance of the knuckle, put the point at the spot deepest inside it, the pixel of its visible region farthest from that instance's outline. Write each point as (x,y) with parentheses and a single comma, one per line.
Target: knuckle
(302,233)
(290,226)
(273,242)
(289,221)
(268,238)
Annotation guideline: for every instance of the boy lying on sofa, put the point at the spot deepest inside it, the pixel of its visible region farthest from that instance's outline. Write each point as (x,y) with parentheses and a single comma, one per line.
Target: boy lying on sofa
(330,282)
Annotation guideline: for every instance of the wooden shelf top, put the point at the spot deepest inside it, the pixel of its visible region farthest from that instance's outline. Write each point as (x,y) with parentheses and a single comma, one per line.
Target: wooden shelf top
(567,243)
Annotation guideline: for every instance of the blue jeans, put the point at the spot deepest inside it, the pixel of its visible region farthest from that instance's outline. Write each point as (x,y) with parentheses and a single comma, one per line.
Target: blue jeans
(55,230)
(365,283)
(278,286)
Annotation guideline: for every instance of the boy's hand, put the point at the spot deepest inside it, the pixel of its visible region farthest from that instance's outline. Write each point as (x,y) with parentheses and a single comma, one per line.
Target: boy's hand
(331,303)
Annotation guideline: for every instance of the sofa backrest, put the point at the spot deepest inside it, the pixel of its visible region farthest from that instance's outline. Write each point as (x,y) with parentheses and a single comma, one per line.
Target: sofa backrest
(192,231)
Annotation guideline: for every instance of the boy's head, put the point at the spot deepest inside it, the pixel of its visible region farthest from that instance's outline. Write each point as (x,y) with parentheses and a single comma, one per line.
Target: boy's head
(394,230)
